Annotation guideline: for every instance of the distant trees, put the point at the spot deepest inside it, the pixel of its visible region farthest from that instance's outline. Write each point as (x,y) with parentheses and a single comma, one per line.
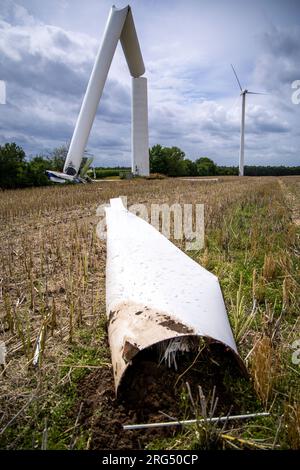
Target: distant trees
(206,167)
(36,168)
(12,166)
(189,168)
(58,157)
(271,170)
(227,170)
(18,172)
(171,161)
(167,160)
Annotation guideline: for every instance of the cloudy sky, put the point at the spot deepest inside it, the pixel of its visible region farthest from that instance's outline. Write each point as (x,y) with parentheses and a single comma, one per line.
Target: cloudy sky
(47,50)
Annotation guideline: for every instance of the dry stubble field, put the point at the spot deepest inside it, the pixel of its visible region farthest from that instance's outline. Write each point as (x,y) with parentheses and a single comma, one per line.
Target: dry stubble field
(52,287)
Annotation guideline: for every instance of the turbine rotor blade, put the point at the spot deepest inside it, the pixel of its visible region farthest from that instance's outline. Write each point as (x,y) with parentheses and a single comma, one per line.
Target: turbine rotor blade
(256,93)
(236,77)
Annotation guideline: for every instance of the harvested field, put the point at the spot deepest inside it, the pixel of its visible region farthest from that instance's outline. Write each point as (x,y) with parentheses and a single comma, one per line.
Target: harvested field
(52,287)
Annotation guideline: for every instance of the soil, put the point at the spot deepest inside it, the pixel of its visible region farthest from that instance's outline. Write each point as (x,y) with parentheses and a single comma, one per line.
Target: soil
(151,393)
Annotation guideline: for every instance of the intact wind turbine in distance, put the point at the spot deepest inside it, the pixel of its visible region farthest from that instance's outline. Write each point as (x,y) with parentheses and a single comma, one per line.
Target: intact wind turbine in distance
(242,145)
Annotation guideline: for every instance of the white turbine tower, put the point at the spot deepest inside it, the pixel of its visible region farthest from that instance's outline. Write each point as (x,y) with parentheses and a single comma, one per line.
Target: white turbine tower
(242,145)
(119,27)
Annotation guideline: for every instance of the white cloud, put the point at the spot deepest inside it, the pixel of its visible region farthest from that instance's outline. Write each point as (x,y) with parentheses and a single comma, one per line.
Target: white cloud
(47,50)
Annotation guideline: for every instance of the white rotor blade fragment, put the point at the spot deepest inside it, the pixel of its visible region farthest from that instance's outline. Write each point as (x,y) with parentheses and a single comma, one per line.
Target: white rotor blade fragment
(131,47)
(94,90)
(155,292)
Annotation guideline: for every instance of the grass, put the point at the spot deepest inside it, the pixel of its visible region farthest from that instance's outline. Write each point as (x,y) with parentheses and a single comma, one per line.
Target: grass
(52,287)
(53,407)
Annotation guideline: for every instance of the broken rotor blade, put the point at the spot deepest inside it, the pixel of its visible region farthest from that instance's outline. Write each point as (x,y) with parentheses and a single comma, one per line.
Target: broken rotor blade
(143,270)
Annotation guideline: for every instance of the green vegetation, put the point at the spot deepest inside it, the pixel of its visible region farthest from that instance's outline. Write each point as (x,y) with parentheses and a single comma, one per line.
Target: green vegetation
(171,161)
(53,278)
(252,247)
(18,172)
(53,270)
(52,423)
(109,172)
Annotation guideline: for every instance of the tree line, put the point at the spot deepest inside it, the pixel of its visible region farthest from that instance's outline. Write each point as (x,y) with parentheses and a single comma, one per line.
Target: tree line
(17,171)
(171,161)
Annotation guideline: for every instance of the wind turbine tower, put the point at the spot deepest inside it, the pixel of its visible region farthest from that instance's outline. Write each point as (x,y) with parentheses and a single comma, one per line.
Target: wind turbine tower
(243,94)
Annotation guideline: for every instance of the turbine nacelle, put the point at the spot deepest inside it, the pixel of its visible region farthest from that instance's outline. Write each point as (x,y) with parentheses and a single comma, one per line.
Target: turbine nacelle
(59,177)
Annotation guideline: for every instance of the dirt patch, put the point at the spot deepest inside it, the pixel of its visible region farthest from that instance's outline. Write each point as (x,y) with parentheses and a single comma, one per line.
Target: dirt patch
(176,326)
(151,393)
(129,351)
